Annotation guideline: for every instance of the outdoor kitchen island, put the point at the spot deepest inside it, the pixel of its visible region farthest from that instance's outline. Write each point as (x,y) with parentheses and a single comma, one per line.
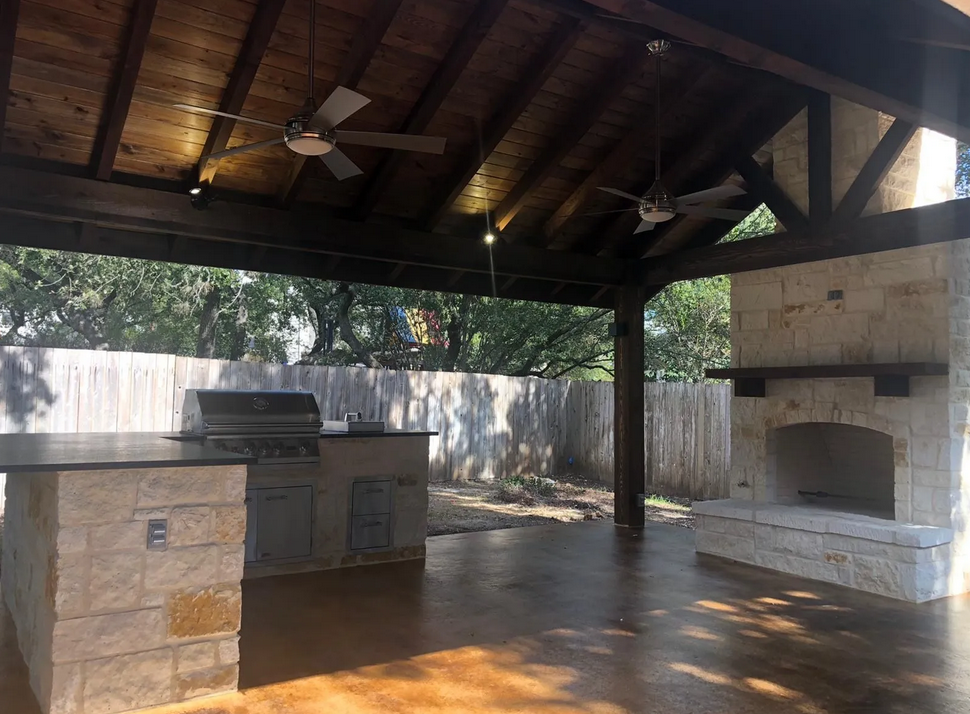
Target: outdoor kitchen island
(123,554)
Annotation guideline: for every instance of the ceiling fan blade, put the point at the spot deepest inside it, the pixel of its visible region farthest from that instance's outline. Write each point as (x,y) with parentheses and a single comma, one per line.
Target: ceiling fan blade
(727,214)
(644,226)
(602,213)
(341,103)
(340,164)
(213,112)
(618,192)
(244,147)
(711,194)
(404,142)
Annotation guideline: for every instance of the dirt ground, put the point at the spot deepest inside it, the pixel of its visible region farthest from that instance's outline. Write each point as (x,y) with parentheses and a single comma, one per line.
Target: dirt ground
(465,506)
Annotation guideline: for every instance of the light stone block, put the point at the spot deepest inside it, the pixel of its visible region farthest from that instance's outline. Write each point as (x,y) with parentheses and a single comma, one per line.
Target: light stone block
(182,567)
(190,525)
(228,651)
(118,684)
(116,581)
(88,638)
(803,567)
(95,497)
(177,486)
(71,539)
(764,296)
(725,546)
(207,682)
(736,509)
(119,536)
(861,529)
(877,575)
(72,583)
(232,563)
(65,695)
(202,655)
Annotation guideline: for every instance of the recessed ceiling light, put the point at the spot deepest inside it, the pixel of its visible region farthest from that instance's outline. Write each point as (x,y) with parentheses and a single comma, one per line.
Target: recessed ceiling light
(489,238)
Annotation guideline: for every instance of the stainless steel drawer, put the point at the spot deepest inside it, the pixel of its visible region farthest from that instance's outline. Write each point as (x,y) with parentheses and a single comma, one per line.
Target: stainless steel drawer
(372,497)
(370,532)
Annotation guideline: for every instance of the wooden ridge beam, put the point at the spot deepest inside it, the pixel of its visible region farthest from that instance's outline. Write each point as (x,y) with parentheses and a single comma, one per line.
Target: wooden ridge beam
(535,76)
(819,160)
(623,72)
(39,233)
(365,45)
(879,163)
(771,194)
(69,198)
(260,32)
(122,89)
(9,11)
(624,151)
(925,85)
(938,223)
(469,39)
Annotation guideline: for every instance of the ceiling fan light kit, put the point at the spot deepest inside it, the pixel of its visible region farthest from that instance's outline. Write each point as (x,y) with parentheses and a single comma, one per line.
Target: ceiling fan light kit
(312,130)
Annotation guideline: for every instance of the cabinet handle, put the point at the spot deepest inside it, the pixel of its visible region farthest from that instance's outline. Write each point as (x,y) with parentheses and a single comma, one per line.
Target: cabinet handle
(372,525)
(373,490)
(277,498)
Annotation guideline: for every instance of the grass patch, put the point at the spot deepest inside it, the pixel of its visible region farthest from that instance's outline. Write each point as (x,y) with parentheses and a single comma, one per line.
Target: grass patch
(664,502)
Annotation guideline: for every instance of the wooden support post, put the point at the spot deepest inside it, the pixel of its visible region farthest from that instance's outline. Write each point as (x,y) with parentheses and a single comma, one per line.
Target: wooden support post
(819,159)
(628,458)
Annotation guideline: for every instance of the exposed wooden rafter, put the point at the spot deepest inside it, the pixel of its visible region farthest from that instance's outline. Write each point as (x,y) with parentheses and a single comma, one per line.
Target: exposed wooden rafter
(123,89)
(471,36)
(538,71)
(362,51)
(914,82)
(622,72)
(879,164)
(68,198)
(819,160)
(624,151)
(938,223)
(770,193)
(9,11)
(261,29)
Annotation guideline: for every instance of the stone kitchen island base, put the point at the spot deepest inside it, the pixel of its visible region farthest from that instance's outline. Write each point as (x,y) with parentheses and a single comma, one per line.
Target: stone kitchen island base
(366,502)
(105,624)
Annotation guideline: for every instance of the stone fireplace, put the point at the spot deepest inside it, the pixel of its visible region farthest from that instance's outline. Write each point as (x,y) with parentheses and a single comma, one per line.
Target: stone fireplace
(828,480)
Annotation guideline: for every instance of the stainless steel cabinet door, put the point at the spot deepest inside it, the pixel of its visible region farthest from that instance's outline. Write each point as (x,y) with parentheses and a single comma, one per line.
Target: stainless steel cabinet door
(370,532)
(251,524)
(283,522)
(372,497)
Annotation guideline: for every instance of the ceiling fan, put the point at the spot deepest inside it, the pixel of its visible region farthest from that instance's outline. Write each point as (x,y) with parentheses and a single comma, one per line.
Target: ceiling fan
(658,205)
(312,130)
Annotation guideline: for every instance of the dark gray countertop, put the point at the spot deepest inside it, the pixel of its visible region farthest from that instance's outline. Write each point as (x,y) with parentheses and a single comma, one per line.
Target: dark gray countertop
(373,434)
(86,452)
(133,450)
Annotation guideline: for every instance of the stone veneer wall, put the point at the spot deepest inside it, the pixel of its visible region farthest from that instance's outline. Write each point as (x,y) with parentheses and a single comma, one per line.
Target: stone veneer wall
(404,459)
(129,628)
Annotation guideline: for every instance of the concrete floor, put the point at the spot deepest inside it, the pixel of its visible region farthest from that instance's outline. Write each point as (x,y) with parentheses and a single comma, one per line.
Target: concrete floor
(578,618)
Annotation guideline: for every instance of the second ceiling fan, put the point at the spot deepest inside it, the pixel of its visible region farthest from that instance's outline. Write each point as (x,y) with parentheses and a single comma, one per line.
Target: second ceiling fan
(312,131)
(658,205)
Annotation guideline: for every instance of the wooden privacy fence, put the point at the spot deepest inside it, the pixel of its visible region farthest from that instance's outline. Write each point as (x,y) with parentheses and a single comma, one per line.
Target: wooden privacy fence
(490,426)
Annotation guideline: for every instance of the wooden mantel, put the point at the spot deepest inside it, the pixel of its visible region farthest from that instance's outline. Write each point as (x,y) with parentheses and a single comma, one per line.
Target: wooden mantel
(889,379)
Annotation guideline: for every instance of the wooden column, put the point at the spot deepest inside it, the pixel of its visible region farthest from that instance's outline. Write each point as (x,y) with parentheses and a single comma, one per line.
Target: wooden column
(628,460)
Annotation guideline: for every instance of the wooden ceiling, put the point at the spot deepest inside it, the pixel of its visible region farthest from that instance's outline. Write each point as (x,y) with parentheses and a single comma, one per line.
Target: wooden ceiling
(540,101)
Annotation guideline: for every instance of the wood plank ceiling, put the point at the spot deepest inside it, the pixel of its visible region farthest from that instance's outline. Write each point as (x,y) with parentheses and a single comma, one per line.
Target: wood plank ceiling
(540,101)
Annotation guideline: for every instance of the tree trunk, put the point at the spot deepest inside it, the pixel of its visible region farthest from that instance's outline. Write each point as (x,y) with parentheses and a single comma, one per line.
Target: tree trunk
(240,341)
(208,322)
(346,299)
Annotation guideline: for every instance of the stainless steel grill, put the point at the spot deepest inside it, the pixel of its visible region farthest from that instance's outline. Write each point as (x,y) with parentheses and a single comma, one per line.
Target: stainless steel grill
(277,427)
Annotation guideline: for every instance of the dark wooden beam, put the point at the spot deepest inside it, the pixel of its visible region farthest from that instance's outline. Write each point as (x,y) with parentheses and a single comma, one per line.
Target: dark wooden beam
(770,193)
(927,86)
(9,11)
(365,45)
(626,150)
(629,470)
(819,160)
(538,71)
(122,89)
(34,232)
(108,204)
(622,73)
(939,223)
(260,32)
(469,39)
(874,171)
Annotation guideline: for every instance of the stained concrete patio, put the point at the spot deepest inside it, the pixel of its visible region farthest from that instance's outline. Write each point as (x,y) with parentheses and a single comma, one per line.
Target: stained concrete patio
(578,618)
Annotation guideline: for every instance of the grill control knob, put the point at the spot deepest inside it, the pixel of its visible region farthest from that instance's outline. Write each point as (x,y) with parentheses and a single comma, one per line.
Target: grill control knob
(264,449)
(278,448)
(304,448)
(250,448)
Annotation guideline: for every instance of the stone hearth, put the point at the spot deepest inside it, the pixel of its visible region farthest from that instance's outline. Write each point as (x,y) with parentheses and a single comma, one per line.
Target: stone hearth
(897,468)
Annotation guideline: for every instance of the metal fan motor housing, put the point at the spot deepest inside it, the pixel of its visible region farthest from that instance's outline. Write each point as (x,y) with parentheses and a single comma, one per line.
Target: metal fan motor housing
(305,140)
(657,205)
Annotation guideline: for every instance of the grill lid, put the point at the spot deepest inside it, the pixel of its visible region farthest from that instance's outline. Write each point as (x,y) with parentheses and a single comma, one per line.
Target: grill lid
(225,411)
